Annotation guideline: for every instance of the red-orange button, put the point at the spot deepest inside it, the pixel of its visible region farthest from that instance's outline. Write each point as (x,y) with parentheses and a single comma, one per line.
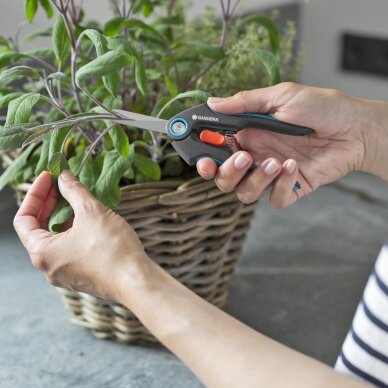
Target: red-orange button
(214,138)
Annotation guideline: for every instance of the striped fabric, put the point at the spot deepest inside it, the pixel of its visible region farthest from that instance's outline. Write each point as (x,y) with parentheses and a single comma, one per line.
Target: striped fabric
(365,350)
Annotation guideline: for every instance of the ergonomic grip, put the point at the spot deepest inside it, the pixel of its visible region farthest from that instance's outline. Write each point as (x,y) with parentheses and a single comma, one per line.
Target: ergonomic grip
(185,128)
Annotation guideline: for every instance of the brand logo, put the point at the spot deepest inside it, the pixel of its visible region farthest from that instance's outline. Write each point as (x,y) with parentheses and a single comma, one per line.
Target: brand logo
(206,118)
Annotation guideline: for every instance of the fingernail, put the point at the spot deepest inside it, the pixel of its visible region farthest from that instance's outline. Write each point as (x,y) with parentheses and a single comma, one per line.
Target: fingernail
(241,161)
(271,167)
(66,175)
(215,100)
(290,166)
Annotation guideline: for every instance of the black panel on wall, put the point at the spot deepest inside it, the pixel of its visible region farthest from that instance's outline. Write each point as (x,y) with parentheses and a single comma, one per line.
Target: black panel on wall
(364,54)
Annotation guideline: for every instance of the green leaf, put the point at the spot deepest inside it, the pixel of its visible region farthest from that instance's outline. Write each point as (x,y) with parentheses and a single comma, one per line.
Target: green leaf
(47,7)
(75,162)
(86,175)
(195,94)
(173,166)
(4,42)
(147,166)
(58,76)
(106,64)
(159,106)
(100,43)
(120,140)
(147,9)
(98,164)
(10,56)
(153,74)
(22,71)
(62,212)
(7,98)
(57,138)
(19,110)
(270,63)
(46,32)
(10,173)
(172,88)
(270,26)
(13,137)
(30,8)
(60,41)
(40,52)
(140,74)
(203,49)
(129,174)
(56,165)
(44,156)
(113,26)
(107,188)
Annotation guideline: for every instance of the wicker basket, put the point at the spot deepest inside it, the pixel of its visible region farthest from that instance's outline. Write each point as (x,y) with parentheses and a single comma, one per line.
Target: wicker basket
(190,228)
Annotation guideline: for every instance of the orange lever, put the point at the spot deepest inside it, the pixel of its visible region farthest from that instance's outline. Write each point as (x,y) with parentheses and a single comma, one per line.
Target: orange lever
(214,138)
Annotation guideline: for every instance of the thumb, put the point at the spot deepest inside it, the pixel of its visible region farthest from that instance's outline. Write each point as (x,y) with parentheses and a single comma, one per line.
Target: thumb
(256,100)
(78,196)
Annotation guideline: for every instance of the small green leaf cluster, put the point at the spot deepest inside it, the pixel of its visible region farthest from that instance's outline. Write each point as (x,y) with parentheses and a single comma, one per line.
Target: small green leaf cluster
(147,58)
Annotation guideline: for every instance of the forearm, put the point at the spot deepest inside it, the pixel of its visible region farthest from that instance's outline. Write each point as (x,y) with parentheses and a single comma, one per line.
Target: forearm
(220,350)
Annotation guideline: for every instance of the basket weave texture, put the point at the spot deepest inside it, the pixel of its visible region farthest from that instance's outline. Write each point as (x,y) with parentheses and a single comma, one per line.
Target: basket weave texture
(190,228)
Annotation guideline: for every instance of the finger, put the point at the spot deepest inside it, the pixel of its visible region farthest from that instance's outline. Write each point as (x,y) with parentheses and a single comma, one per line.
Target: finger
(78,196)
(207,168)
(48,208)
(233,170)
(257,100)
(26,221)
(284,192)
(253,186)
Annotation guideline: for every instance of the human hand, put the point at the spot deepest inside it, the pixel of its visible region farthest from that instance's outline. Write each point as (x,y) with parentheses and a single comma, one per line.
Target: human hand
(96,254)
(343,141)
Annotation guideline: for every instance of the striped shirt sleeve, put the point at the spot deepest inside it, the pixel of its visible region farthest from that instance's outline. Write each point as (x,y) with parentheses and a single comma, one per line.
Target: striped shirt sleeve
(365,350)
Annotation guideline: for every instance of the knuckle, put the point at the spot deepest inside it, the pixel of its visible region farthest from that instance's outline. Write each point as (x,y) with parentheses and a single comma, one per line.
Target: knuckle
(243,97)
(76,185)
(223,186)
(39,262)
(245,197)
(16,223)
(52,281)
(90,206)
(288,85)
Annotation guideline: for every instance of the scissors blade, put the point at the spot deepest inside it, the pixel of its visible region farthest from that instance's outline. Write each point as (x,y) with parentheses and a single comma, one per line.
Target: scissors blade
(138,120)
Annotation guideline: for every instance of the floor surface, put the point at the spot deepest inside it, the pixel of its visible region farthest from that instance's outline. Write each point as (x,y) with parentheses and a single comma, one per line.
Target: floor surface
(301,275)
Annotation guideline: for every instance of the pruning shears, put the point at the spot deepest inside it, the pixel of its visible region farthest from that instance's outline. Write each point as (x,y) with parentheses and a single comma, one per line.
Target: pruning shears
(200,132)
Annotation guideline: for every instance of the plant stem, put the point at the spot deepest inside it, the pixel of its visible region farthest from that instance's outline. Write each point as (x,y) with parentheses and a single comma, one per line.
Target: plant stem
(99,103)
(92,146)
(73,55)
(225,22)
(62,9)
(170,7)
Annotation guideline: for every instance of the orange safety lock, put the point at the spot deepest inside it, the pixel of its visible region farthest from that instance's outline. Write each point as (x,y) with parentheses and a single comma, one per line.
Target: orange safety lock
(214,138)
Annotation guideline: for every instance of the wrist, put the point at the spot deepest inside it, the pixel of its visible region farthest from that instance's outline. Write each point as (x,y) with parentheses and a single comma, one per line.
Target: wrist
(135,279)
(375,137)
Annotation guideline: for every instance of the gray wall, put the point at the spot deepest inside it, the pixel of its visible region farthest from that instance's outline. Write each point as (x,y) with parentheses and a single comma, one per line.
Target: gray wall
(322,23)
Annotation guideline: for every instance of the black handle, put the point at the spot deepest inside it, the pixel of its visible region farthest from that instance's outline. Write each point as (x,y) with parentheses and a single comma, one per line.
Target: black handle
(202,116)
(182,131)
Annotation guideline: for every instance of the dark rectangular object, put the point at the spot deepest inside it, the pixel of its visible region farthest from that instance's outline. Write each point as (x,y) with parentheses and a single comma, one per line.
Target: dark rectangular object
(365,54)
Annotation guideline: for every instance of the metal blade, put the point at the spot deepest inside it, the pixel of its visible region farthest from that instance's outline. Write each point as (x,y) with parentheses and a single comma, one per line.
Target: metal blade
(137,120)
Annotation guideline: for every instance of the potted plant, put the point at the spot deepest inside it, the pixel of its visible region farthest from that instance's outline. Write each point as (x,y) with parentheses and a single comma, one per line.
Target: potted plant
(148,58)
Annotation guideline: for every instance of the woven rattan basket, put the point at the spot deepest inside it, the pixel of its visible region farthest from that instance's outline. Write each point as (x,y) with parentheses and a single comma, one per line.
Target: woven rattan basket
(190,228)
